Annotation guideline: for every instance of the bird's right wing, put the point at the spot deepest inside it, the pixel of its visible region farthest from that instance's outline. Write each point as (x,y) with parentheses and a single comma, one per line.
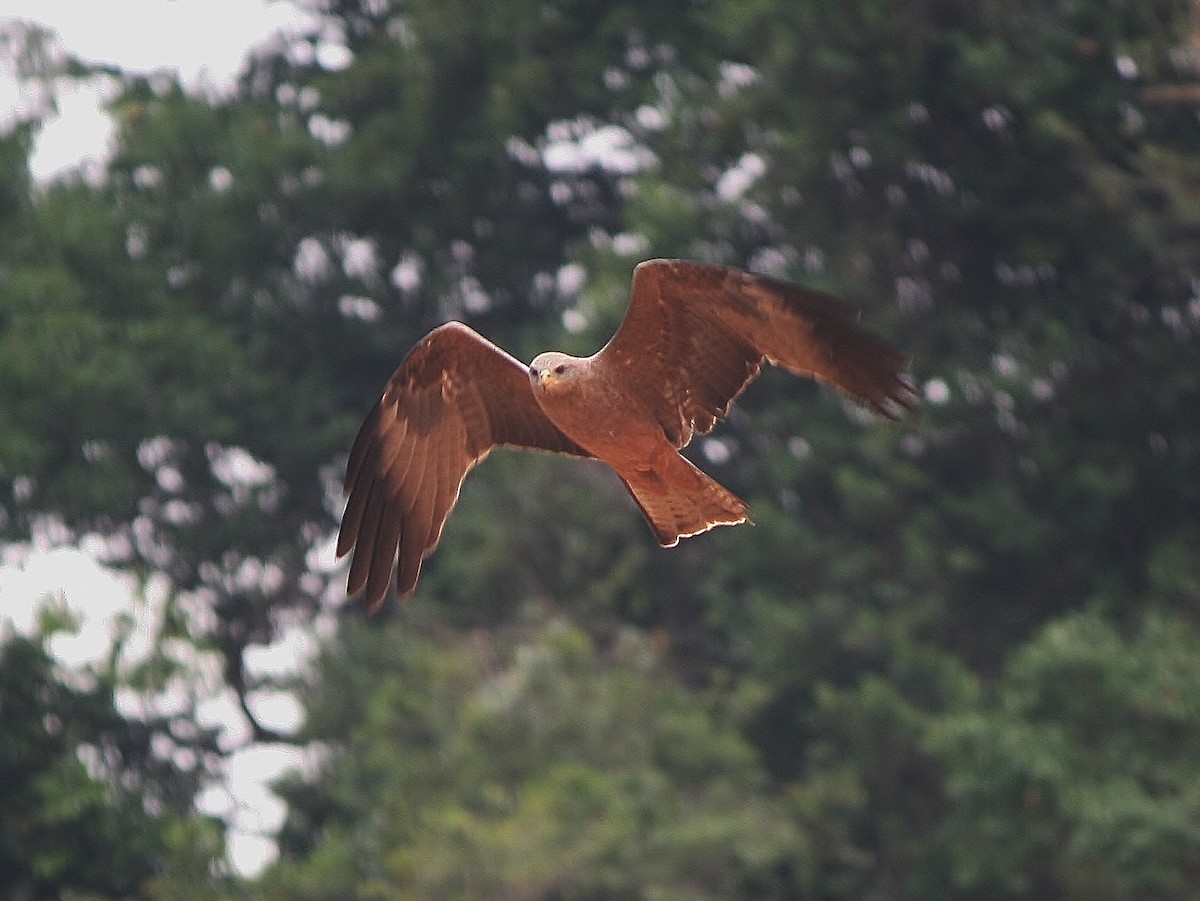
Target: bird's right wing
(454,398)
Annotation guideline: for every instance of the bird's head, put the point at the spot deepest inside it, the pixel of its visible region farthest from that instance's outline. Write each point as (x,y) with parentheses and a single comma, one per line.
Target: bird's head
(552,369)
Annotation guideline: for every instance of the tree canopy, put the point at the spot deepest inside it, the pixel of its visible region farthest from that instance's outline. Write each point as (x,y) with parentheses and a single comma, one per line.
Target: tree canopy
(955,659)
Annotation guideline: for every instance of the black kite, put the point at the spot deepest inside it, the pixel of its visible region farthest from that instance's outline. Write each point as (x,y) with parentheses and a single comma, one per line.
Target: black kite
(694,337)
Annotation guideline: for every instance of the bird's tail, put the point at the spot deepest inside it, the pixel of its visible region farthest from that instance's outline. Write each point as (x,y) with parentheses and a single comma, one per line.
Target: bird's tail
(679,500)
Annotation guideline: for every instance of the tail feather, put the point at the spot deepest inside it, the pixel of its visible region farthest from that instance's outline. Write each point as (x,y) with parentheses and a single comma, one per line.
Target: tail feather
(682,501)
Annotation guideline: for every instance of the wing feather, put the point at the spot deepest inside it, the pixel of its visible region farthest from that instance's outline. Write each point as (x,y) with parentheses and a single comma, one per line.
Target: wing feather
(385,468)
(352,516)
(445,494)
(382,560)
(696,335)
(454,398)
(414,524)
(368,531)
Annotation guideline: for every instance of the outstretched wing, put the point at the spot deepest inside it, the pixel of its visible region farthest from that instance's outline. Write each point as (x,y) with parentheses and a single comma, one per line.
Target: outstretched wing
(696,335)
(454,398)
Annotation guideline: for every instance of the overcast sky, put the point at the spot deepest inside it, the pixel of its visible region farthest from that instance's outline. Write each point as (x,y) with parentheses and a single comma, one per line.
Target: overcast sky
(204,41)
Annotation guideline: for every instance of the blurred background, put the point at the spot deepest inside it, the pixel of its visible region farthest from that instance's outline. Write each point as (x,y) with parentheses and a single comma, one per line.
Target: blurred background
(957,658)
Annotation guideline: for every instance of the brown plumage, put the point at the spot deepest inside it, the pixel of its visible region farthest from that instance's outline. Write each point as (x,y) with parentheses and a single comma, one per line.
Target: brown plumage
(694,337)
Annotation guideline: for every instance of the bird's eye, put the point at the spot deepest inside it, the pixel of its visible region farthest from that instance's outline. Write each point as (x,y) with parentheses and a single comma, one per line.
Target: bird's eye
(533,371)
(560,368)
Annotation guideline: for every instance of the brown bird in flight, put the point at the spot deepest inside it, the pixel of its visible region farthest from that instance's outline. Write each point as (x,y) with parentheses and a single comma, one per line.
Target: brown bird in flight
(694,337)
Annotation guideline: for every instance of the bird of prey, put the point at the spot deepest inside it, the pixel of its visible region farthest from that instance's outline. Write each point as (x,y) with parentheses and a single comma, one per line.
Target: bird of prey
(694,336)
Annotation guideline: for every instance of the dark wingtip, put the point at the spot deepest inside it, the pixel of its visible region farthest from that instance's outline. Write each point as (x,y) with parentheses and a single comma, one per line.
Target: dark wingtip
(374,604)
(375,595)
(372,598)
(902,401)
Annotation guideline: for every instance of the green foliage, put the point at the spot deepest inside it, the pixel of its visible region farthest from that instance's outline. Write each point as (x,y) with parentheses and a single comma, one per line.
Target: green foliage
(1079,779)
(88,808)
(530,768)
(951,660)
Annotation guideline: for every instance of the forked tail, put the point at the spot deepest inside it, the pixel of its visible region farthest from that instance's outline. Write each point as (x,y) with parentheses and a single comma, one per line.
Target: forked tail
(678,500)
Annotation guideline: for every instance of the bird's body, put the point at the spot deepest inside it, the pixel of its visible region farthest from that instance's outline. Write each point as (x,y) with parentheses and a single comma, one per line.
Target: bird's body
(580,400)
(677,499)
(694,336)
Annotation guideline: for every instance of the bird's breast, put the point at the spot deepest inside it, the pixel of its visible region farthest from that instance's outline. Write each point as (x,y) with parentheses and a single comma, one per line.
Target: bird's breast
(600,417)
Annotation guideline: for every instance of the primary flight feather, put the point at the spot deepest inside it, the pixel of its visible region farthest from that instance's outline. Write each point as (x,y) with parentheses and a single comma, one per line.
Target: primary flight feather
(694,336)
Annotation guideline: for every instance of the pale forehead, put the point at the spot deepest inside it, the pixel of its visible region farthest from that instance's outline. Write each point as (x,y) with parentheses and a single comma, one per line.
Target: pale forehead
(550,358)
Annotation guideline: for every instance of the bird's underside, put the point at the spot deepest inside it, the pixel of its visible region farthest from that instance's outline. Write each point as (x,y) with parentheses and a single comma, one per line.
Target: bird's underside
(694,336)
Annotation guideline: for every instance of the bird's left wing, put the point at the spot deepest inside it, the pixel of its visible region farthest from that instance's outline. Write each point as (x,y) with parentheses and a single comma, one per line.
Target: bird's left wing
(454,398)
(695,335)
